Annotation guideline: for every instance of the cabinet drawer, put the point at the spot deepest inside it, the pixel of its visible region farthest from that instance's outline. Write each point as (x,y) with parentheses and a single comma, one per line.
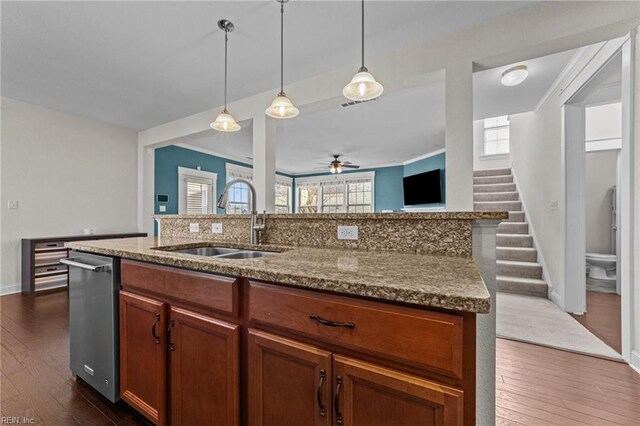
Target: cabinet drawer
(48,283)
(194,288)
(411,336)
(50,258)
(51,269)
(51,245)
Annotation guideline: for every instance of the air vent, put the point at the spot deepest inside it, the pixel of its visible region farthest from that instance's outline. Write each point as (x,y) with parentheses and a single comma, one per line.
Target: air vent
(352,103)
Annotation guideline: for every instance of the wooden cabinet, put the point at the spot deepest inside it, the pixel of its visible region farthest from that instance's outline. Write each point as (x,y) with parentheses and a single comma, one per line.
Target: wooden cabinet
(143,355)
(293,383)
(370,395)
(289,382)
(203,365)
(200,356)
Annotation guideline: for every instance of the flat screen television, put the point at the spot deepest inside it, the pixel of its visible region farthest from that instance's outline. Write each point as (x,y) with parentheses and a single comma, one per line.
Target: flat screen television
(423,188)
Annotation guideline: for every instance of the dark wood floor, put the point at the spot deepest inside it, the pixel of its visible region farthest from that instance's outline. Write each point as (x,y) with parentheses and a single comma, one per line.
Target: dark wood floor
(603,318)
(535,385)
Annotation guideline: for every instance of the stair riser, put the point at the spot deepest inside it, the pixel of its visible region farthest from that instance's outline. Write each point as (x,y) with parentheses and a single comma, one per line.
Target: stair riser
(503,253)
(503,187)
(514,241)
(515,217)
(499,206)
(491,180)
(519,271)
(539,290)
(513,228)
(496,196)
(491,172)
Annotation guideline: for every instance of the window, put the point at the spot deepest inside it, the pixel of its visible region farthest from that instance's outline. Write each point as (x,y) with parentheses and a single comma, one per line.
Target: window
(350,192)
(239,194)
(196,191)
(496,136)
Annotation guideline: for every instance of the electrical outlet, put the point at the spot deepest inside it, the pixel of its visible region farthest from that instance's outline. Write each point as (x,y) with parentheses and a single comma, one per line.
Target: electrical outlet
(12,204)
(553,205)
(163,209)
(347,232)
(216,228)
(194,227)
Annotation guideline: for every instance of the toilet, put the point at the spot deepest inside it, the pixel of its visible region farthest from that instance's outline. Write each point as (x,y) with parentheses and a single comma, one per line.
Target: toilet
(599,264)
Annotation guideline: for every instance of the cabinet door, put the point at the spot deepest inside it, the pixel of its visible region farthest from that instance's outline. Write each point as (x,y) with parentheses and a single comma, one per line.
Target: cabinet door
(370,395)
(289,382)
(204,377)
(143,355)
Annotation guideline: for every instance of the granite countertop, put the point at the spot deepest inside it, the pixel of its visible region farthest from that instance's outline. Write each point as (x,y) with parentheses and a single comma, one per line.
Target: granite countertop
(434,281)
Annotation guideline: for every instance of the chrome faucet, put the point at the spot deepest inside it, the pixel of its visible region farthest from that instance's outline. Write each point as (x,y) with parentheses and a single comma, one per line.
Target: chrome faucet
(256,226)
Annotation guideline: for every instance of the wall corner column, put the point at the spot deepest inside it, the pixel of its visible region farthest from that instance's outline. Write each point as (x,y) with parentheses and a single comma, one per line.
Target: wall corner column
(264,161)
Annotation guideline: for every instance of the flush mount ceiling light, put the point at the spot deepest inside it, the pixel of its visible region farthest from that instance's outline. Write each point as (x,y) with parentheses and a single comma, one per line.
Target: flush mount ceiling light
(514,75)
(363,87)
(282,107)
(225,122)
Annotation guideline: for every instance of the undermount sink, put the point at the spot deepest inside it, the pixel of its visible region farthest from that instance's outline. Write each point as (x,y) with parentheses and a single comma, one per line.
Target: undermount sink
(206,251)
(246,254)
(224,252)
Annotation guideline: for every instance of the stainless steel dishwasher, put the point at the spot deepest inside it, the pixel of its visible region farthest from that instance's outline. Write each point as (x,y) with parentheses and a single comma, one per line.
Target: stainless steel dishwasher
(94,284)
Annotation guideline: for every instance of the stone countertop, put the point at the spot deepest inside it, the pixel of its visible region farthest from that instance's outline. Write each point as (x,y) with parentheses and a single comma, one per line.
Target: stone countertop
(432,281)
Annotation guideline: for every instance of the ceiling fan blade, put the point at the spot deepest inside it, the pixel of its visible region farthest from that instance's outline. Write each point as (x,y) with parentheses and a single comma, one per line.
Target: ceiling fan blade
(321,167)
(350,166)
(346,162)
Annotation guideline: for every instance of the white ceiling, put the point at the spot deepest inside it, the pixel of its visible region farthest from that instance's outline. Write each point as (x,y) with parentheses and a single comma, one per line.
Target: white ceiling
(397,127)
(140,64)
(492,99)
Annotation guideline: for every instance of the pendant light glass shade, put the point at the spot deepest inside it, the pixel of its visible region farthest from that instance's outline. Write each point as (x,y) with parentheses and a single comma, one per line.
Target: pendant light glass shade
(225,122)
(363,87)
(282,107)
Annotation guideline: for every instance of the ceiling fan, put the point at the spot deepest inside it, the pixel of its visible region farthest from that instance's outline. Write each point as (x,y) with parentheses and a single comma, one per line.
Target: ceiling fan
(336,165)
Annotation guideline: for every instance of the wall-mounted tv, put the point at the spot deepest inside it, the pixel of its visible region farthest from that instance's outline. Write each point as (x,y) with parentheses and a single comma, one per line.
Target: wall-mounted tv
(423,188)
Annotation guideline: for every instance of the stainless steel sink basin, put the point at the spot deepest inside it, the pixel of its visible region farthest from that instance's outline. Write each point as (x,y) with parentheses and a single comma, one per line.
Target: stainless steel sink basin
(224,252)
(246,254)
(207,251)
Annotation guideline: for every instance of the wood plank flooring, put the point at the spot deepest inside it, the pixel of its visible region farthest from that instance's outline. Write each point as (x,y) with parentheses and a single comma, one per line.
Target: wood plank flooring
(535,385)
(603,318)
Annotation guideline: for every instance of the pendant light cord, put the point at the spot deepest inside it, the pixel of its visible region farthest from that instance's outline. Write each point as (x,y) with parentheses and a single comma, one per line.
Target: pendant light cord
(281,48)
(226,40)
(363,68)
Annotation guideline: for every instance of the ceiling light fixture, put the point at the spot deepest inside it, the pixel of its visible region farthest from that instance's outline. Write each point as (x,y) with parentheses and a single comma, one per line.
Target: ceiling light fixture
(225,122)
(363,85)
(282,107)
(514,75)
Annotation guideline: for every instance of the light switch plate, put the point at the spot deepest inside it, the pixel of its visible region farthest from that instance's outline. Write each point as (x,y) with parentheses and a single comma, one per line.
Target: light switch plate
(216,228)
(347,232)
(194,227)
(12,204)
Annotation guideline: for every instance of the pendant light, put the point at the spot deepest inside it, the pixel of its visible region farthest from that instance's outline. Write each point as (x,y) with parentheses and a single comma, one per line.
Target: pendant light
(363,87)
(282,107)
(225,122)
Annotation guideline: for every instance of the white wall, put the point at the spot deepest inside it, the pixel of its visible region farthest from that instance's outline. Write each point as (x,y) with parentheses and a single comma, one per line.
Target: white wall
(603,122)
(536,159)
(67,173)
(635,355)
(481,162)
(601,176)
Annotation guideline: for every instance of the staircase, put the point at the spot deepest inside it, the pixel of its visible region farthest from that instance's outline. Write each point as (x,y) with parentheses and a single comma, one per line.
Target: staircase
(518,270)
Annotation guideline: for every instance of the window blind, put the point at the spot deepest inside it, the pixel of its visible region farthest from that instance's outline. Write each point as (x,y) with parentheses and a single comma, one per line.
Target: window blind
(199,193)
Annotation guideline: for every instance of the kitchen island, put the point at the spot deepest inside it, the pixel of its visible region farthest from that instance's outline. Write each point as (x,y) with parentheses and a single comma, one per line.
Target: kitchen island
(308,335)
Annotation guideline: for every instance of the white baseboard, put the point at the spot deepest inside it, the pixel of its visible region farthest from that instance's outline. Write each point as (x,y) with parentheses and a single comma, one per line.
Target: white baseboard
(556,298)
(635,361)
(10,289)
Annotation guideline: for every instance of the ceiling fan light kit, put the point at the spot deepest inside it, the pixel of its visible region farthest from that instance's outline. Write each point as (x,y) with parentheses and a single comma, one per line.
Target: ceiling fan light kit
(225,122)
(282,107)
